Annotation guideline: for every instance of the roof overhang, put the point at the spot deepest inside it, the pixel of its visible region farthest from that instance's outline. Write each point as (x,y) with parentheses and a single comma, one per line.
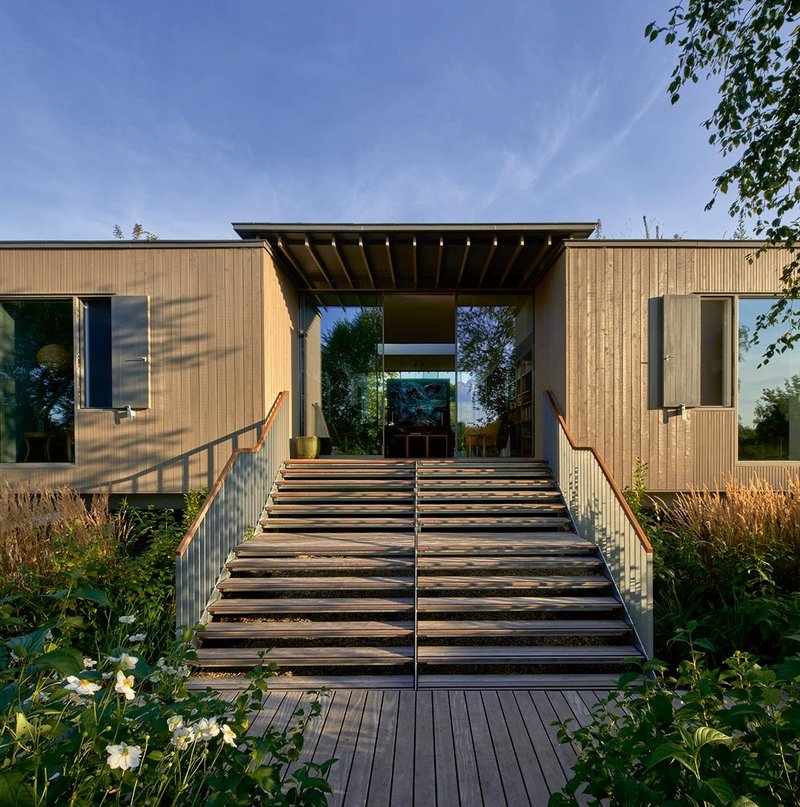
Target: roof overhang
(392,257)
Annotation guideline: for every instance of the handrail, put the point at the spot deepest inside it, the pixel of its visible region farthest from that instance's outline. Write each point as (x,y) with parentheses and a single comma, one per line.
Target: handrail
(600,514)
(648,547)
(212,494)
(231,509)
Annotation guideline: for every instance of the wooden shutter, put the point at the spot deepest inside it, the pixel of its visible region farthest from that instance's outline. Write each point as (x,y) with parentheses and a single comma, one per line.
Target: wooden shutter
(681,350)
(130,352)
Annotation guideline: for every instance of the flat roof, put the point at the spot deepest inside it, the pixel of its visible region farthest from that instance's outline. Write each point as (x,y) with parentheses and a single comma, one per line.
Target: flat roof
(391,257)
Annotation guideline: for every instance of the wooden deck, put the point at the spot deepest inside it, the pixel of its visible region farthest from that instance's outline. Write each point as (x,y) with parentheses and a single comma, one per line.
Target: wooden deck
(439,747)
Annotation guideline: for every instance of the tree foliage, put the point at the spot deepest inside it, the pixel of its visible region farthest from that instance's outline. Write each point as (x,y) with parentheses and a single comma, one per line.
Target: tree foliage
(752,47)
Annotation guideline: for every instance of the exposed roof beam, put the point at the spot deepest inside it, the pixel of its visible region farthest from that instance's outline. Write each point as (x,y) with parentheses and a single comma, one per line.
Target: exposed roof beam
(317,262)
(487,262)
(541,252)
(389,259)
(414,259)
(366,261)
(439,260)
(511,261)
(463,263)
(293,263)
(341,262)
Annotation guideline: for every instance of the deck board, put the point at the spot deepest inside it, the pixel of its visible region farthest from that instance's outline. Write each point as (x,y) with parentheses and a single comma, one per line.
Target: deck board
(437,748)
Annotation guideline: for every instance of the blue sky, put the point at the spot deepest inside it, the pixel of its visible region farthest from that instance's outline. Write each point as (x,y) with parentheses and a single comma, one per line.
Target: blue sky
(185,116)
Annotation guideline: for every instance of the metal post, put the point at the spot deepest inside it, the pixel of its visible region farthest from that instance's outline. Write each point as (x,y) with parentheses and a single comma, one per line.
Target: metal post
(416,572)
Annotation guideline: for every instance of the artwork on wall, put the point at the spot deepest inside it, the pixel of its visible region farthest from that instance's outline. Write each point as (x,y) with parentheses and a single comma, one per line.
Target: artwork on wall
(418,402)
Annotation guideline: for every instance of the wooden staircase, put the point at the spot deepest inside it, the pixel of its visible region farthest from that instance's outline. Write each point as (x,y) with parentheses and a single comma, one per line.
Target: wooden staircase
(396,573)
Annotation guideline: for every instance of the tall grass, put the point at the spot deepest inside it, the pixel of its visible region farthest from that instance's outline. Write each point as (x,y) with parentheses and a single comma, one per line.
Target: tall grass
(44,532)
(731,562)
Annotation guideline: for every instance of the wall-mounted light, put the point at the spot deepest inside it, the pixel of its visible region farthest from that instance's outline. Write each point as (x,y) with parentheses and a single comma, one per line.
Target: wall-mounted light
(126,415)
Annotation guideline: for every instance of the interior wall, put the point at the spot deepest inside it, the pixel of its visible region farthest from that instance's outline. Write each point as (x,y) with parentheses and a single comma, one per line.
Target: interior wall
(550,324)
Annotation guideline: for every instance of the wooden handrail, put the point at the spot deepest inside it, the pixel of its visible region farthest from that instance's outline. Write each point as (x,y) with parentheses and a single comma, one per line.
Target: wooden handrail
(610,479)
(212,494)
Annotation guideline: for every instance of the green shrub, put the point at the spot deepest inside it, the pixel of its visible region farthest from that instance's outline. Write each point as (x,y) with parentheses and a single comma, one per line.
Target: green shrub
(728,736)
(116,730)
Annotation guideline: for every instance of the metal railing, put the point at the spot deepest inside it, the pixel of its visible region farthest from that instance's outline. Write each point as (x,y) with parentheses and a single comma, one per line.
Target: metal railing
(233,506)
(601,514)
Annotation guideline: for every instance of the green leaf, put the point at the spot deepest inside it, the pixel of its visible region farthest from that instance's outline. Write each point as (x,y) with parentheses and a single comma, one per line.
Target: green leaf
(722,790)
(64,660)
(7,695)
(93,595)
(13,790)
(23,728)
(705,735)
(664,751)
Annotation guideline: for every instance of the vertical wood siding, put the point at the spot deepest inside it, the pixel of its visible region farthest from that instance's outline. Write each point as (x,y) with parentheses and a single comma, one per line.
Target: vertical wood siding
(221,330)
(611,291)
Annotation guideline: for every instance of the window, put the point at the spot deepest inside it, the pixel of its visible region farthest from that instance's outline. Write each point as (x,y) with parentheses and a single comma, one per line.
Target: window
(768,396)
(715,352)
(37,381)
(97,388)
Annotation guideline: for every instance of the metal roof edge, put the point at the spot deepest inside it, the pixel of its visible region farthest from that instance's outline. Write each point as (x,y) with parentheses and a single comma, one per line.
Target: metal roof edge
(238,243)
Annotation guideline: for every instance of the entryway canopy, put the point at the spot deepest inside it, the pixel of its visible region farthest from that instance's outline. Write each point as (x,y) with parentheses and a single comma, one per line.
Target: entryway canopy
(390,257)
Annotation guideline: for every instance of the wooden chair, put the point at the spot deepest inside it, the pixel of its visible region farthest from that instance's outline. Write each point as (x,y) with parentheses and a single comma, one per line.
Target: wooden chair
(482,437)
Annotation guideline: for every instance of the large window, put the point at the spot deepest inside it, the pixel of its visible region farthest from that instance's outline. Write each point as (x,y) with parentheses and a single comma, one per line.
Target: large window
(768,394)
(37,381)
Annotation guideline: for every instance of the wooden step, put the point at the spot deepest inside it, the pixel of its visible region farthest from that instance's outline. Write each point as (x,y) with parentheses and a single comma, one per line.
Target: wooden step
(306,630)
(362,508)
(437,628)
(324,483)
(431,541)
(237,683)
(433,562)
(479,604)
(303,656)
(323,522)
(488,495)
(522,654)
(334,497)
(260,564)
(513,582)
(496,522)
(267,584)
(543,681)
(286,544)
(312,605)
(426,508)
(354,473)
(457,484)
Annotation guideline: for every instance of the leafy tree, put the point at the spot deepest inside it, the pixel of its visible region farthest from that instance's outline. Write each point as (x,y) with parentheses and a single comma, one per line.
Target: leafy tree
(351,376)
(752,47)
(138,233)
(486,350)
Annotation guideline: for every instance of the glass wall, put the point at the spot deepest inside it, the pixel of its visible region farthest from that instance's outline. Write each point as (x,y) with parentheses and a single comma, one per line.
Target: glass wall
(495,375)
(345,403)
(37,381)
(768,395)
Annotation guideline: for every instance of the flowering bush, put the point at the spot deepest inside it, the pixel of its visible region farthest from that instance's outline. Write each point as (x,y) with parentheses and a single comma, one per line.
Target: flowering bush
(115,730)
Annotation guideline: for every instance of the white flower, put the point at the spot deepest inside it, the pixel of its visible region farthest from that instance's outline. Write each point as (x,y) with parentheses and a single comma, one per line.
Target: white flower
(127,620)
(88,663)
(123,756)
(81,686)
(206,729)
(124,685)
(183,736)
(174,722)
(135,638)
(108,674)
(227,735)
(40,697)
(125,661)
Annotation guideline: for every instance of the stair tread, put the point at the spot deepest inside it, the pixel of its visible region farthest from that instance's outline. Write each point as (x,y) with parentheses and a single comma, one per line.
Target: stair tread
(512,581)
(237,683)
(334,521)
(305,583)
(506,562)
(360,507)
(315,629)
(491,507)
(510,653)
(538,681)
(254,605)
(520,627)
(308,656)
(489,494)
(316,563)
(491,521)
(552,603)
(341,495)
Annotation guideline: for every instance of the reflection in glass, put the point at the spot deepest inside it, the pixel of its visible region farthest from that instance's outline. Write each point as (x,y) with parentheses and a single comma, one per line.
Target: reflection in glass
(37,382)
(768,396)
(495,378)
